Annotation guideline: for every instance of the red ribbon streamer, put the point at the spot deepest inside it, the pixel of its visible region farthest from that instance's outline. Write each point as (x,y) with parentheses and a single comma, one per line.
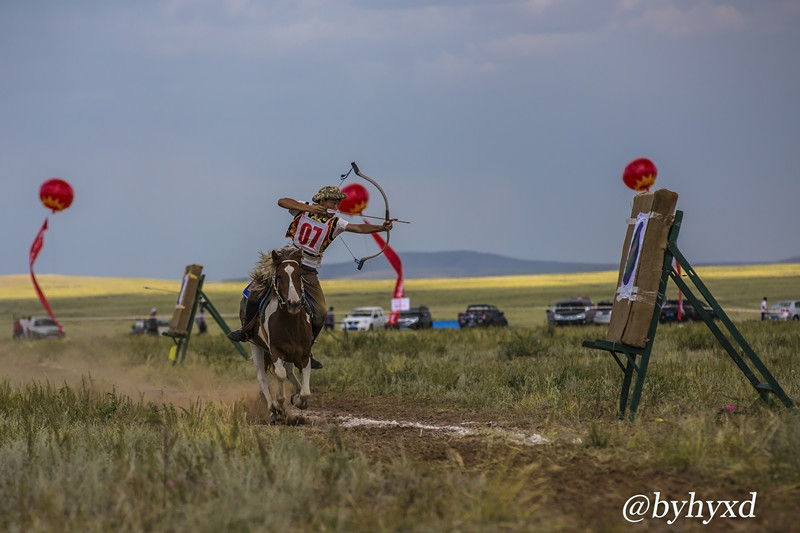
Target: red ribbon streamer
(36,247)
(397,265)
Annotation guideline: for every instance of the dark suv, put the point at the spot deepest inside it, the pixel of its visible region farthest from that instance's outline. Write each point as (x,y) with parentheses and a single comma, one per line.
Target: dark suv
(669,312)
(482,315)
(415,318)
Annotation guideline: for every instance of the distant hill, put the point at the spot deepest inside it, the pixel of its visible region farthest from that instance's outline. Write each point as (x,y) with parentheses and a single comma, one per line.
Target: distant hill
(464,264)
(458,264)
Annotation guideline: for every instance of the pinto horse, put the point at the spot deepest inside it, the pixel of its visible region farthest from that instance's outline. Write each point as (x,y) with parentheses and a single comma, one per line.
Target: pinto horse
(282,339)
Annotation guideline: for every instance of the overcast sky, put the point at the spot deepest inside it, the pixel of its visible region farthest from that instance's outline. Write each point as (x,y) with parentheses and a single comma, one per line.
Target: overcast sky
(499,126)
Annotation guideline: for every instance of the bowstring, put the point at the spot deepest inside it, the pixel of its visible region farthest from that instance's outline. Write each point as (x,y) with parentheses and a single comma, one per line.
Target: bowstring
(355,259)
(343,177)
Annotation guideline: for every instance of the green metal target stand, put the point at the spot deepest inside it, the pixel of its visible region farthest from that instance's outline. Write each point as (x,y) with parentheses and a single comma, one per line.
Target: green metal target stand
(190,296)
(634,361)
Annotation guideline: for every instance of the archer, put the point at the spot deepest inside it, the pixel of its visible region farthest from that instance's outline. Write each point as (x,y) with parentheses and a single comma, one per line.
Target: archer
(312,229)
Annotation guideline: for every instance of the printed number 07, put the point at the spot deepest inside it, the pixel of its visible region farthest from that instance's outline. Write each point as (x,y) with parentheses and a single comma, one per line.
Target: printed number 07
(305,234)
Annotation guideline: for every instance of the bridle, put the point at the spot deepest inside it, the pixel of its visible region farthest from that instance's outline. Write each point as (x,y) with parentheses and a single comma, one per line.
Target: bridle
(282,303)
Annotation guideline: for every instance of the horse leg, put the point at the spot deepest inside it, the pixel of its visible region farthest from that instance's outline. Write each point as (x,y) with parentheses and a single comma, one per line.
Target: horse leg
(290,375)
(279,370)
(261,373)
(297,400)
(305,377)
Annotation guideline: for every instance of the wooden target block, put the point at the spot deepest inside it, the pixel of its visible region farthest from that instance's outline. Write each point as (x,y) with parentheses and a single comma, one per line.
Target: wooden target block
(641,266)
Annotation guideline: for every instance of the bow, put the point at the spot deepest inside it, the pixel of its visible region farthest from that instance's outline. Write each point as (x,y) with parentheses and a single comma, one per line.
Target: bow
(387,217)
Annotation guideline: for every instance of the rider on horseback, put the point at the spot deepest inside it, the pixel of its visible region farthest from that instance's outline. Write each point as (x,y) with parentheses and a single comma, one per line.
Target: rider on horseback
(312,229)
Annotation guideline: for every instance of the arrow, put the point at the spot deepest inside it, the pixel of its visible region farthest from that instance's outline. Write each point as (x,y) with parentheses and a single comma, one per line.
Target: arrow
(334,211)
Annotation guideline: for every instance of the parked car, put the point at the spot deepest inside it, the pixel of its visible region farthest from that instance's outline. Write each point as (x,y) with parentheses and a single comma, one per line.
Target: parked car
(42,327)
(602,313)
(784,310)
(572,311)
(692,314)
(482,315)
(669,312)
(415,318)
(364,319)
(139,326)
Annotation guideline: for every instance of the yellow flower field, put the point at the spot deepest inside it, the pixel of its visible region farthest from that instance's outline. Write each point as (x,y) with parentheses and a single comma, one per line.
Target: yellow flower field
(19,286)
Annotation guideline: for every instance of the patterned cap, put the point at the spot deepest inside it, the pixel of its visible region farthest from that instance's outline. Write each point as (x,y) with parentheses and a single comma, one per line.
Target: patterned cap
(329,192)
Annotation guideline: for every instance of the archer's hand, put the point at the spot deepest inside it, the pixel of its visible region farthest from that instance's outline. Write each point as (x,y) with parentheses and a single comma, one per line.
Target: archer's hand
(317,209)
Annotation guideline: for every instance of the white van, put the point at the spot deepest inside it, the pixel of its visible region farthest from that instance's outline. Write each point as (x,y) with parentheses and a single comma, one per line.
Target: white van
(365,319)
(42,327)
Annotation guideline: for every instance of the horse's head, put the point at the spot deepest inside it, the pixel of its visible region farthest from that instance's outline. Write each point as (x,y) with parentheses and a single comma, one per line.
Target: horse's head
(287,283)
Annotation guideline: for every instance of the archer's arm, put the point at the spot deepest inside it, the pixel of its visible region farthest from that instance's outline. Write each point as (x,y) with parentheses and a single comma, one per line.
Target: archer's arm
(294,205)
(369,228)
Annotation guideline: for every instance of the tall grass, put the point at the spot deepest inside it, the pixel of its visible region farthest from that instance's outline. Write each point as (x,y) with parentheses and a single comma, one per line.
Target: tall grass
(78,457)
(74,459)
(86,458)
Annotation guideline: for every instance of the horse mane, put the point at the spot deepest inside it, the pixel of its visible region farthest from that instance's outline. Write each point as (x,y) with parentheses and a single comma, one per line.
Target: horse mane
(262,273)
(264,268)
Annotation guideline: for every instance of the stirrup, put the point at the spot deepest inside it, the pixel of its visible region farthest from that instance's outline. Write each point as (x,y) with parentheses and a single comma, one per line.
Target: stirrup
(239,335)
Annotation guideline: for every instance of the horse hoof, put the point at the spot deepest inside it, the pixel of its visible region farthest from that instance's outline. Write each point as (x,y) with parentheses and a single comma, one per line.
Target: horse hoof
(299,402)
(277,416)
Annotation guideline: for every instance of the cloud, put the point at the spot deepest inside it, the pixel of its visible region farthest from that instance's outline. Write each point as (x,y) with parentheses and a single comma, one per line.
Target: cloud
(540,6)
(701,18)
(628,5)
(521,44)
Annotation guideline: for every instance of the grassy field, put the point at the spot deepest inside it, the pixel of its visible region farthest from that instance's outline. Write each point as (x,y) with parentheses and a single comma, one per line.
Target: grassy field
(485,430)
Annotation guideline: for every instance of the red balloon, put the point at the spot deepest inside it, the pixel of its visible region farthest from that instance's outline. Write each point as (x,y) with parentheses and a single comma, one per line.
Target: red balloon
(640,174)
(356,201)
(56,194)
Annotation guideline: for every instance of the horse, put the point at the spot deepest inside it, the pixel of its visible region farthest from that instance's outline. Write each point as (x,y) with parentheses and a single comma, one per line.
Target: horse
(282,338)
